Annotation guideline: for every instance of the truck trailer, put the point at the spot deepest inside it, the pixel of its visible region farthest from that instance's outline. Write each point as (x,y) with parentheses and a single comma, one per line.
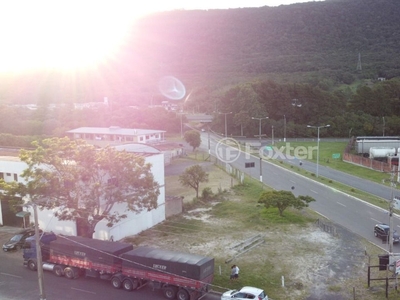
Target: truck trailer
(181,276)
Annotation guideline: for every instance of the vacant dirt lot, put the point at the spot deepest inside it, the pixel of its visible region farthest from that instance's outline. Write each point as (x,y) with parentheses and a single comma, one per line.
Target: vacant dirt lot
(317,264)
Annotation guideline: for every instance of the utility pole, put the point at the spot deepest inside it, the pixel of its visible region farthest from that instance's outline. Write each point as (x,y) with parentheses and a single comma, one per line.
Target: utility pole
(39,264)
(383,126)
(359,68)
(391,209)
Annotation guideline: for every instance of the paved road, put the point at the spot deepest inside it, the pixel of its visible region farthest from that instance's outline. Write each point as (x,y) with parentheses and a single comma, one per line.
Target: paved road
(352,213)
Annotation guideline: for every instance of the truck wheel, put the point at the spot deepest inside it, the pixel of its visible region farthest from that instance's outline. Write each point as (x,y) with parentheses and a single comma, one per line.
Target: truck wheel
(127,285)
(71,273)
(116,283)
(169,292)
(32,265)
(58,270)
(182,295)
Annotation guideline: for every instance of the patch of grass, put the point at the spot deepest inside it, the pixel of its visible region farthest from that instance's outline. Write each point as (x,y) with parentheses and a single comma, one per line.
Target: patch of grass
(335,288)
(290,216)
(327,149)
(250,189)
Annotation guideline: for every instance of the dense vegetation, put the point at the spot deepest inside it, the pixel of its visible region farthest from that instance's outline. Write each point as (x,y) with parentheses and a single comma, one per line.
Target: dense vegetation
(252,62)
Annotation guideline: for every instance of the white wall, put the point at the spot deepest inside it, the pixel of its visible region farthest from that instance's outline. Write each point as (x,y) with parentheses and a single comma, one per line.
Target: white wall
(132,225)
(136,223)
(10,165)
(48,222)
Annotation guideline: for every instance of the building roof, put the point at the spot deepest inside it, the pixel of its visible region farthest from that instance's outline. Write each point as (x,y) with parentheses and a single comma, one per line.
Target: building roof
(137,148)
(115,130)
(9,158)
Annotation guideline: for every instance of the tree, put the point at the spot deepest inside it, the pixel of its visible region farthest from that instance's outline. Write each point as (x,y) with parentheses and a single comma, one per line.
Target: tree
(193,138)
(80,181)
(192,177)
(283,199)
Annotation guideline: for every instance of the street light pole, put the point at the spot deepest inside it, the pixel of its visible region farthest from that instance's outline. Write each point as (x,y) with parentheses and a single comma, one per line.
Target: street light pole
(284,128)
(209,143)
(259,126)
(272,134)
(318,128)
(181,127)
(226,128)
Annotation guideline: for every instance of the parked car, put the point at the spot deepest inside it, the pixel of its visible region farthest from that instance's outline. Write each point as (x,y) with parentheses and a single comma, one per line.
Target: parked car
(246,292)
(382,231)
(18,240)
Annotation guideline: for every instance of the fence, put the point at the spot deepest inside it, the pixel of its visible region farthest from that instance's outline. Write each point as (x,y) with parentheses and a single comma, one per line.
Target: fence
(326,227)
(367,162)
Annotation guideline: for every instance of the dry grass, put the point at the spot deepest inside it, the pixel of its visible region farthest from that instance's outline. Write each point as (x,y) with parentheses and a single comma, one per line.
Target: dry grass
(218,181)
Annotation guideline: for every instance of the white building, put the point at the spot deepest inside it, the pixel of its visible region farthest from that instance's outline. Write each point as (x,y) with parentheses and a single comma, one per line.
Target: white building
(12,167)
(114,135)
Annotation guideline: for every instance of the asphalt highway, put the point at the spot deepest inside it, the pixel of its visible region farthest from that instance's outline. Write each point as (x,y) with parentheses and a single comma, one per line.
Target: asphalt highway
(353,213)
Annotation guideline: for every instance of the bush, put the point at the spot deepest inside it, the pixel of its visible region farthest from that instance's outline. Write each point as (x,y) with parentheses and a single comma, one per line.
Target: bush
(207,194)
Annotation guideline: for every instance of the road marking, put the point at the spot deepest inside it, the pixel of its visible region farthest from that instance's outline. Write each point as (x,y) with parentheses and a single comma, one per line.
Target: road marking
(341,204)
(315,192)
(85,291)
(11,275)
(377,221)
(292,181)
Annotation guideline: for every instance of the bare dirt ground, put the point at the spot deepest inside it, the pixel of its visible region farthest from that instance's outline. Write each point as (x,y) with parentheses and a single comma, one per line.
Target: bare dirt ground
(320,266)
(318,270)
(218,179)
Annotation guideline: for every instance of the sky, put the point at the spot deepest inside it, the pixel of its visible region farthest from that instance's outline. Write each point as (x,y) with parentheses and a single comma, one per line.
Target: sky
(76,34)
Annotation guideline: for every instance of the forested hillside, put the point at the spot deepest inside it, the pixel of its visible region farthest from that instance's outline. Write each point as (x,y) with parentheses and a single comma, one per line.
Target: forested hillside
(316,36)
(252,62)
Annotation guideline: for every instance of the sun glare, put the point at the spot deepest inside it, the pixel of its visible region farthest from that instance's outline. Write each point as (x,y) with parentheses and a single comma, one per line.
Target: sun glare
(75,34)
(61,34)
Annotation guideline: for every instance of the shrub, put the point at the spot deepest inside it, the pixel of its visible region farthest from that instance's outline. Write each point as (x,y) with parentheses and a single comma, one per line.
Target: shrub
(207,194)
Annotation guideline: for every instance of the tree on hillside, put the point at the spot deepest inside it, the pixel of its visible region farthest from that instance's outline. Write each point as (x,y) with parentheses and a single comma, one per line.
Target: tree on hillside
(192,137)
(283,200)
(192,177)
(81,182)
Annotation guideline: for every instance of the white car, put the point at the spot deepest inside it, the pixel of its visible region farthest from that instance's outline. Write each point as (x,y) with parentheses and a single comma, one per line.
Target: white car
(246,292)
